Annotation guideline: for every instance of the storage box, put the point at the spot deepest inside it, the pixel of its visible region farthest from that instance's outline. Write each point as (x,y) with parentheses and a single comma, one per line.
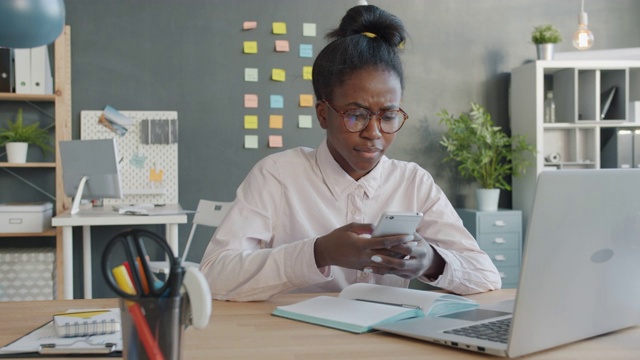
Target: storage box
(27,274)
(25,217)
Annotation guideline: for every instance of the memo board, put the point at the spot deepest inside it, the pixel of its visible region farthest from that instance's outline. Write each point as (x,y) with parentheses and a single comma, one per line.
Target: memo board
(148,168)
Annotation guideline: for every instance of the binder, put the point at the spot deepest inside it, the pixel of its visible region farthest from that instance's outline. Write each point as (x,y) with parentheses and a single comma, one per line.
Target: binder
(22,66)
(636,148)
(6,69)
(41,79)
(617,148)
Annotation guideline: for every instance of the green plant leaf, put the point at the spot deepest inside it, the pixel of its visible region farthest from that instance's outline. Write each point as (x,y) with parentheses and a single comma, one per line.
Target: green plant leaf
(31,134)
(481,150)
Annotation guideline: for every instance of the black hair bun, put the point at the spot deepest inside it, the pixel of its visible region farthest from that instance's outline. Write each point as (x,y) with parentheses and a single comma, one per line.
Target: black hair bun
(371,21)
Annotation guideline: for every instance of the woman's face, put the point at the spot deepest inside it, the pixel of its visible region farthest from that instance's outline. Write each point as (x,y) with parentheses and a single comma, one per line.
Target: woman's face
(373,89)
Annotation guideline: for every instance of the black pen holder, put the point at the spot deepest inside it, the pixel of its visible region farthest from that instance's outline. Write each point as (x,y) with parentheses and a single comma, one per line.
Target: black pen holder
(153,326)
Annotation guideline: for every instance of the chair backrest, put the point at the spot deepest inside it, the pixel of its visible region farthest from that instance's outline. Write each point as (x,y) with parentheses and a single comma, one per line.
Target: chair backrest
(208,213)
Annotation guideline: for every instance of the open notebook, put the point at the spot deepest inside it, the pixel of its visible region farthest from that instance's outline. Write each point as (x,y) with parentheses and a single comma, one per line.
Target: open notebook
(359,307)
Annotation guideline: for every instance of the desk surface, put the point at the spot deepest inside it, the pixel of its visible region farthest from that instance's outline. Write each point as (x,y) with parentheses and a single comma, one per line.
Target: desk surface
(170,213)
(248,331)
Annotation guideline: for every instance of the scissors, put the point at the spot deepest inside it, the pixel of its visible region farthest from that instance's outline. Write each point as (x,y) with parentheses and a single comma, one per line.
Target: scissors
(125,266)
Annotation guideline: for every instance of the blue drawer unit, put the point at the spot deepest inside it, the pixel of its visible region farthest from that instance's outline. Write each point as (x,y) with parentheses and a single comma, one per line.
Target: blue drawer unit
(499,234)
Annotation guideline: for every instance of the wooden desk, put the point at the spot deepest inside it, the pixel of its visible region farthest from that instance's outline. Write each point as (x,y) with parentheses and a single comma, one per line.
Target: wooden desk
(103,216)
(248,331)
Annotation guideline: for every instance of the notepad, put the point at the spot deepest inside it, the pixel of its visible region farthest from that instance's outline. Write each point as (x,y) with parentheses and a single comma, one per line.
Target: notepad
(87,322)
(360,307)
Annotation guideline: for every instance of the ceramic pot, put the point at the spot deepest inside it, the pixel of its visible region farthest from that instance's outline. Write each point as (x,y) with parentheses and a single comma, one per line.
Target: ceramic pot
(545,51)
(17,152)
(487,199)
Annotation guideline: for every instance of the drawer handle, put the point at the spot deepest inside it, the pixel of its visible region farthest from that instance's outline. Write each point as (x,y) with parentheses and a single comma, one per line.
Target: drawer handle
(502,275)
(500,258)
(500,223)
(499,240)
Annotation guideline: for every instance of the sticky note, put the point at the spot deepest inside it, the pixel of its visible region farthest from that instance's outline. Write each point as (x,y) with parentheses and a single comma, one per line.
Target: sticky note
(276,101)
(250,47)
(251,141)
(307,72)
(304,121)
(309,29)
(248,25)
(250,100)
(306,50)
(278,74)
(251,74)
(251,121)
(275,141)
(279,28)
(282,45)
(306,100)
(275,121)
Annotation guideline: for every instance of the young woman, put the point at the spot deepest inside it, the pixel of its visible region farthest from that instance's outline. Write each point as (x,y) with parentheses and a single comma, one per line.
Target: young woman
(302,219)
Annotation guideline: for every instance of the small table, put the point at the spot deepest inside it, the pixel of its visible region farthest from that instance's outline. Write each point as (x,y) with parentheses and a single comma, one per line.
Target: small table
(171,215)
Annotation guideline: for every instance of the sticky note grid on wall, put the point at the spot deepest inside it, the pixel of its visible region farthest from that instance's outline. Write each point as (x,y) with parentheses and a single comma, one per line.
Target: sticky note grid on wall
(148,154)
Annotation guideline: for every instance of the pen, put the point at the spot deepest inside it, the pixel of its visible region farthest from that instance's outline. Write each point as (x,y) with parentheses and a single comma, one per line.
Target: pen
(144,332)
(142,326)
(143,276)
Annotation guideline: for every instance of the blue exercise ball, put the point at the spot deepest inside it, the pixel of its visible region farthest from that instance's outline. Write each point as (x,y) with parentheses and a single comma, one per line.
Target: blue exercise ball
(30,23)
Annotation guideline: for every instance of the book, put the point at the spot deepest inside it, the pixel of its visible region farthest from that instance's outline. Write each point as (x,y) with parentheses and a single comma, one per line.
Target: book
(360,307)
(74,323)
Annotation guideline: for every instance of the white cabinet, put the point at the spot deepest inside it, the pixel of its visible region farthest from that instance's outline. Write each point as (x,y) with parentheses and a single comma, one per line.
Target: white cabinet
(580,138)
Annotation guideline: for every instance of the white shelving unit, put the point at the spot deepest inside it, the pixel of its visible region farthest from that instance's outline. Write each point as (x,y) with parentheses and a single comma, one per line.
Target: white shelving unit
(577,137)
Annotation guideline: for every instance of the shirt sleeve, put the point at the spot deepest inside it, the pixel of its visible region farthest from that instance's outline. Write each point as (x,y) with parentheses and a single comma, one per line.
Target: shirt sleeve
(240,264)
(468,268)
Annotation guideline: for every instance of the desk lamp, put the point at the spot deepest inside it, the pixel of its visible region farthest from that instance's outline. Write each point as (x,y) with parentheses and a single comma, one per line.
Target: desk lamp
(30,23)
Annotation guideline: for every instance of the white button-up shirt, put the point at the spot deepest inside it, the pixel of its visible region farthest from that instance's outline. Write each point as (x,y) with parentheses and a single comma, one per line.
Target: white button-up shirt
(265,245)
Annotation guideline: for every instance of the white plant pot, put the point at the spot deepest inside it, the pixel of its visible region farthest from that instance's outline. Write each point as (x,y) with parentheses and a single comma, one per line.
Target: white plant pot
(487,199)
(17,152)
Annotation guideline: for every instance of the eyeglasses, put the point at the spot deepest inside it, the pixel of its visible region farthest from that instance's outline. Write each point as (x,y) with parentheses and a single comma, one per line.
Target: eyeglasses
(355,120)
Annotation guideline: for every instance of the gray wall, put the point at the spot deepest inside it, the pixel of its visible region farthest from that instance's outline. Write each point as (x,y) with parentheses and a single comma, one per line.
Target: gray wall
(186,56)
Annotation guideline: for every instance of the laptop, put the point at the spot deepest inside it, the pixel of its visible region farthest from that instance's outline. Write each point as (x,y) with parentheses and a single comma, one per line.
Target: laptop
(579,275)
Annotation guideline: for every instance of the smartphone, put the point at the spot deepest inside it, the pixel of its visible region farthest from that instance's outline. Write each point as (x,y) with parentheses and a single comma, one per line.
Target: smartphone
(396,223)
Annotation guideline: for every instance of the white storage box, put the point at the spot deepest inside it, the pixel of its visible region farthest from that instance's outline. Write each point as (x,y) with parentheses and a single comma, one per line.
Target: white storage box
(27,274)
(25,217)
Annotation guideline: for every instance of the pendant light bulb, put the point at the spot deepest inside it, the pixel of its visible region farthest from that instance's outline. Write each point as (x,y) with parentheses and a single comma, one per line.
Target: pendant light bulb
(583,37)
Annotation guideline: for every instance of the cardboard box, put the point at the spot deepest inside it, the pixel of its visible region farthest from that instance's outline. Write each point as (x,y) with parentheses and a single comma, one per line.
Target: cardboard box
(25,217)
(27,274)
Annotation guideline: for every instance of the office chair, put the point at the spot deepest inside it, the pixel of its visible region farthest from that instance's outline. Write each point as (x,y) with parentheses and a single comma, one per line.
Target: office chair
(208,213)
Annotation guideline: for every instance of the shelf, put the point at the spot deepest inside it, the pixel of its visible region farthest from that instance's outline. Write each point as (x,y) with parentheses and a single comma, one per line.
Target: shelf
(48,233)
(27,97)
(28,165)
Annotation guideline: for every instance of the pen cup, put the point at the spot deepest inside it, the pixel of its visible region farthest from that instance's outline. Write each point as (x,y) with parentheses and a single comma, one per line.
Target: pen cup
(152,328)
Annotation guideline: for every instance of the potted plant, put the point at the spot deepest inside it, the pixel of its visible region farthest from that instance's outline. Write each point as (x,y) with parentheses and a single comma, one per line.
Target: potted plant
(545,37)
(483,152)
(17,137)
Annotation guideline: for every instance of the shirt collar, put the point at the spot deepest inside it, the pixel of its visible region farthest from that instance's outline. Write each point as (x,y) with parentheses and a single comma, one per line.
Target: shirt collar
(339,182)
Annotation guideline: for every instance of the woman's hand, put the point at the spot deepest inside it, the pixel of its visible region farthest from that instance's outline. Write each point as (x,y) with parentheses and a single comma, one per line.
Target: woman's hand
(351,246)
(416,258)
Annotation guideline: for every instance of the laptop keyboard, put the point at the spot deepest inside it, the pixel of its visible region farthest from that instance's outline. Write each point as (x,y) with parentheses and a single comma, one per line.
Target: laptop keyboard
(497,331)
